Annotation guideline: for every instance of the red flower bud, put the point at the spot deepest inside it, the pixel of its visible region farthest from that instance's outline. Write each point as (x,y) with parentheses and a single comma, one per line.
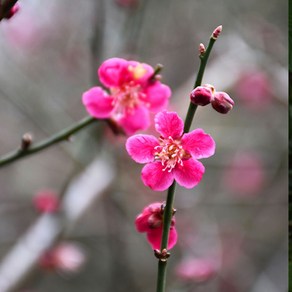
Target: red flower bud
(201,95)
(222,102)
(12,11)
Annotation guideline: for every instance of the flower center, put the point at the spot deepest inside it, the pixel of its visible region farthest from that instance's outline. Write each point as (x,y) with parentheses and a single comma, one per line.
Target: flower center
(127,97)
(170,152)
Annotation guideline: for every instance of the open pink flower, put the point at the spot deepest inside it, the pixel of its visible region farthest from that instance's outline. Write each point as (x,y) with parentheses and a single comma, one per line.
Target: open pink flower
(173,156)
(150,221)
(132,94)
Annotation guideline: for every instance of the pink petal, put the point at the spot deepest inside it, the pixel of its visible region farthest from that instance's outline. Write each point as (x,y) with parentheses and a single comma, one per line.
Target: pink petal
(189,174)
(134,120)
(154,177)
(157,96)
(172,237)
(111,72)
(169,124)
(141,222)
(141,148)
(198,144)
(97,102)
(154,237)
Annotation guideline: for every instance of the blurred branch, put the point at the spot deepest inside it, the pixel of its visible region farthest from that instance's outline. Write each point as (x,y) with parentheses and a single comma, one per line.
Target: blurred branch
(6,7)
(56,138)
(17,266)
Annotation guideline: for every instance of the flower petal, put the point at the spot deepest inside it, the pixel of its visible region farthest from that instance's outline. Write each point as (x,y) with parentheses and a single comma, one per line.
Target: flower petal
(111,72)
(154,237)
(198,144)
(157,96)
(189,174)
(172,237)
(97,102)
(141,148)
(134,120)
(154,177)
(141,222)
(169,124)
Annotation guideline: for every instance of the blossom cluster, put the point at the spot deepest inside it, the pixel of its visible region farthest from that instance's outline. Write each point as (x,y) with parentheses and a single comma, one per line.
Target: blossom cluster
(134,91)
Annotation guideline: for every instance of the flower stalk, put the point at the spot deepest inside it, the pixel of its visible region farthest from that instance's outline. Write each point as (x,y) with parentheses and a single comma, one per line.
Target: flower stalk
(162,265)
(56,138)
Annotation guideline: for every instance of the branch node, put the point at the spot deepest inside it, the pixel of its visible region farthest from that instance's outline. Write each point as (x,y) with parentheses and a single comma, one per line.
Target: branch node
(26,141)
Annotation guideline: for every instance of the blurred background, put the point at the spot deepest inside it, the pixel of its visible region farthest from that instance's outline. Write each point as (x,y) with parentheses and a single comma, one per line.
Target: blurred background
(232,227)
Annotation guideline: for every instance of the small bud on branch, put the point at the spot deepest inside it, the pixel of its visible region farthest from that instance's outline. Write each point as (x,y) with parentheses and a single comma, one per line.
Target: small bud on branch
(26,141)
(217,32)
(202,49)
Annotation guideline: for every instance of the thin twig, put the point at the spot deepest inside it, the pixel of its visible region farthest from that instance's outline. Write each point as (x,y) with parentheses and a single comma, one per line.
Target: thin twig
(56,138)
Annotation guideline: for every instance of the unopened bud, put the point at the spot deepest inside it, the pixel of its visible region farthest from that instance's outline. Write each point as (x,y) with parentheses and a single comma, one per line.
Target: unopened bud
(217,32)
(201,95)
(222,102)
(202,49)
(26,141)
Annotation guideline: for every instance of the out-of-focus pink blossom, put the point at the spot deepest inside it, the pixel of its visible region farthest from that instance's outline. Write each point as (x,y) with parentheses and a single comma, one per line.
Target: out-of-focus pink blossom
(244,175)
(65,257)
(173,156)
(254,90)
(150,221)
(46,201)
(133,93)
(196,270)
(24,32)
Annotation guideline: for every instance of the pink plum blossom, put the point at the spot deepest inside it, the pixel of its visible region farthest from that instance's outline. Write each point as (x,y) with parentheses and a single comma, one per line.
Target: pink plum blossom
(173,156)
(132,94)
(150,221)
